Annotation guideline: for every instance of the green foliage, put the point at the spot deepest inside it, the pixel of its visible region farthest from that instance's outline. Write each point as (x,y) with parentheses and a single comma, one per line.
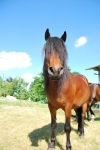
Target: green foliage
(75,72)
(36,90)
(20,88)
(8,88)
(69,68)
(14,87)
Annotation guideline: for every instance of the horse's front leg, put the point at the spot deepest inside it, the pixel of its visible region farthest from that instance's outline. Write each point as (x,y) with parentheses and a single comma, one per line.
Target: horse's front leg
(88,114)
(67,127)
(53,126)
(91,111)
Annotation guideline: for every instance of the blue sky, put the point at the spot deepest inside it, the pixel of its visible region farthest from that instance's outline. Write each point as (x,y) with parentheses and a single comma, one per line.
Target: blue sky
(22,27)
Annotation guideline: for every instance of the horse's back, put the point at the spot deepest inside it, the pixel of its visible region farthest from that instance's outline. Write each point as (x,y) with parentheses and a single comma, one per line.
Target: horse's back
(80,82)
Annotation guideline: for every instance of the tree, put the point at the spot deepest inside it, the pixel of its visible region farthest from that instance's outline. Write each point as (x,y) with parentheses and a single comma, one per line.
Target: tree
(75,72)
(7,88)
(19,88)
(9,79)
(1,84)
(14,87)
(36,90)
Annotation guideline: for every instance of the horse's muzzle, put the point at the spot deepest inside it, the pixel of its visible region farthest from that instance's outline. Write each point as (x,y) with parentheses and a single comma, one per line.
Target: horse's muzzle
(55,74)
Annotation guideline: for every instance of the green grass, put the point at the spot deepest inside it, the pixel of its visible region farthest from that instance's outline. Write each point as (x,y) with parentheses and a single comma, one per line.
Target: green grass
(25,125)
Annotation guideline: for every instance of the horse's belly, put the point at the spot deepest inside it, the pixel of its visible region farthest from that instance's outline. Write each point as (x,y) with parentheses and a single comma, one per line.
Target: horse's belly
(80,100)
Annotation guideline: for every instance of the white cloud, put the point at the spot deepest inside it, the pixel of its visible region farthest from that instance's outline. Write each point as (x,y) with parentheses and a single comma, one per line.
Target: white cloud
(11,60)
(81,41)
(28,77)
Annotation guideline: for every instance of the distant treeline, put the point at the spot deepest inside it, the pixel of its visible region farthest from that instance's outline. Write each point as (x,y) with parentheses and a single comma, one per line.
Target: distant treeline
(17,87)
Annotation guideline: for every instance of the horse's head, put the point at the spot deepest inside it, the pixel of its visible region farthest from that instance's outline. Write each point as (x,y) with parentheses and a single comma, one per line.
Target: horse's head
(55,55)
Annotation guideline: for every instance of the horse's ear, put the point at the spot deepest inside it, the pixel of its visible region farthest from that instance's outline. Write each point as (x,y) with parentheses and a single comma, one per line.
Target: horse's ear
(64,36)
(47,34)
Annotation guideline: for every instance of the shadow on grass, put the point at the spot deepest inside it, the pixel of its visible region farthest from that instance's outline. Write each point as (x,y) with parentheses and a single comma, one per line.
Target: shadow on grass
(44,133)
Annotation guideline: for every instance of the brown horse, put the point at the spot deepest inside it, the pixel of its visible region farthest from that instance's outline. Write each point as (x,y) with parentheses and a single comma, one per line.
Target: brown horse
(63,89)
(94,98)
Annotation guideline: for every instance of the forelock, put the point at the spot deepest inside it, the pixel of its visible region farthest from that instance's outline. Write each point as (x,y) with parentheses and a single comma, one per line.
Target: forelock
(57,45)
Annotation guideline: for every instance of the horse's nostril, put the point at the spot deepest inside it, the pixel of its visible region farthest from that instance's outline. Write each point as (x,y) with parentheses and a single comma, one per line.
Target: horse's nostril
(61,68)
(54,72)
(51,69)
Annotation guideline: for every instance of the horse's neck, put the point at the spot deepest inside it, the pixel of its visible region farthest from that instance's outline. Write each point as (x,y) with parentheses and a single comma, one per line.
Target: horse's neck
(53,85)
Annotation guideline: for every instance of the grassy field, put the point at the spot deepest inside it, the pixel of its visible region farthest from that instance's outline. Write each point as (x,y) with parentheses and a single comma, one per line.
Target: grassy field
(25,125)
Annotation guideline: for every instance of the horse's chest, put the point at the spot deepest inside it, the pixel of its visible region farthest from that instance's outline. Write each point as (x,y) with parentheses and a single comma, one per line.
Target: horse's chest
(57,100)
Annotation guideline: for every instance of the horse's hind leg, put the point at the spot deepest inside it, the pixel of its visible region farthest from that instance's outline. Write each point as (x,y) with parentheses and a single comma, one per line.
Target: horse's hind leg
(53,126)
(79,118)
(81,111)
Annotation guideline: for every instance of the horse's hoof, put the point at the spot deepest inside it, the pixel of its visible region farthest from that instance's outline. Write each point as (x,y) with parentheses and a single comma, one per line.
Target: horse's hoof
(81,136)
(51,146)
(69,148)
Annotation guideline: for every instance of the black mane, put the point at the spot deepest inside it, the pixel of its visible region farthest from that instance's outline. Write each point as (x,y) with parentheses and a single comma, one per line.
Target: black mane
(57,45)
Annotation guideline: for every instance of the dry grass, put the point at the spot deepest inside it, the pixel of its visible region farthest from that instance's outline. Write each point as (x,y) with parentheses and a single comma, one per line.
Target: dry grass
(26,126)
